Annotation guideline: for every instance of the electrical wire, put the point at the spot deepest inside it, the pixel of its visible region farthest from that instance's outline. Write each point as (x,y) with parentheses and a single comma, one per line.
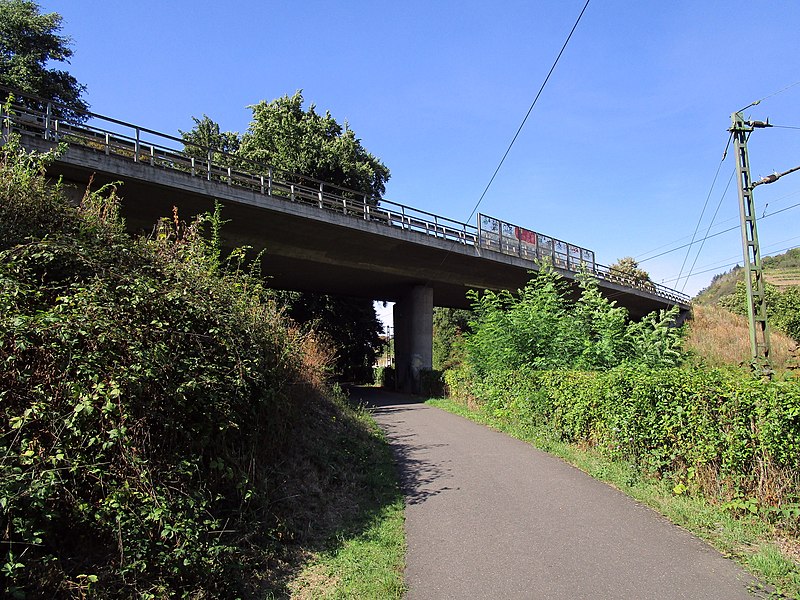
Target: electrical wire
(791,85)
(703,211)
(541,89)
(732,264)
(718,233)
(768,250)
(639,258)
(703,243)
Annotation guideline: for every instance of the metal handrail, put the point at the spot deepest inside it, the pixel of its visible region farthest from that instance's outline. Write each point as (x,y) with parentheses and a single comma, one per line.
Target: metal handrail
(219,166)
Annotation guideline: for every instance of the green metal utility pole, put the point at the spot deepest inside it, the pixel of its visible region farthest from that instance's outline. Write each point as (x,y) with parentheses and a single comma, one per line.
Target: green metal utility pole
(754,274)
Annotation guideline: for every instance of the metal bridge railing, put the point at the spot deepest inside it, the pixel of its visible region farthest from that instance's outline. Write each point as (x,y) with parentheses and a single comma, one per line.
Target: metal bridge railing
(117,138)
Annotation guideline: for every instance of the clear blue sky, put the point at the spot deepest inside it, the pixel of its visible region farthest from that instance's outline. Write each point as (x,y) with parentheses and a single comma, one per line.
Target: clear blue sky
(618,155)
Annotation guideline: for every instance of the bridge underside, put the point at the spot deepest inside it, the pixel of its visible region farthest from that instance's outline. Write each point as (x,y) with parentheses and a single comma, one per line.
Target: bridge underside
(314,250)
(307,249)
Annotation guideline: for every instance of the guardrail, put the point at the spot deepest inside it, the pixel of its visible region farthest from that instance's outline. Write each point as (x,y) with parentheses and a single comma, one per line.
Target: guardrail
(146,146)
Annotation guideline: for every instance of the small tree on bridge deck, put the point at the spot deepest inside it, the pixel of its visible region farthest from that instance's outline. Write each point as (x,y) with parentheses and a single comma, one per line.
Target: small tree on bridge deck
(284,135)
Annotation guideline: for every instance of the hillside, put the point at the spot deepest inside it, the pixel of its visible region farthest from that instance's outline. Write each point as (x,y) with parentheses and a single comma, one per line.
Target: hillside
(781,270)
(718,331)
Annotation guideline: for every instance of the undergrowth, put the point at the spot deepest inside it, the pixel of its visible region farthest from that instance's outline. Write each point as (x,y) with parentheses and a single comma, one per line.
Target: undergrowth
(164,430)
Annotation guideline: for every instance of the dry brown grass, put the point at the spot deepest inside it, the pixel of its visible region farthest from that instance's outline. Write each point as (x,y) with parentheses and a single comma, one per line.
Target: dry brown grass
(719,337)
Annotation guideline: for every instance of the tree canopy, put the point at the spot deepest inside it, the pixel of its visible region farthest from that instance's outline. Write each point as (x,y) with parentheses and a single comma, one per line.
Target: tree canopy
(206,135)
(287,137)
(29,41)
(306,144)
(628,267)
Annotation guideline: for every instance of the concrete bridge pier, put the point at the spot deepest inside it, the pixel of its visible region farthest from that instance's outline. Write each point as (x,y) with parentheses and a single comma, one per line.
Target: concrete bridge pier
(413,336)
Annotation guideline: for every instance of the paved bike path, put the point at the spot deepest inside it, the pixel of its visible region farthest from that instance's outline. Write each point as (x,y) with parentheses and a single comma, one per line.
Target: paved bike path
(488,516)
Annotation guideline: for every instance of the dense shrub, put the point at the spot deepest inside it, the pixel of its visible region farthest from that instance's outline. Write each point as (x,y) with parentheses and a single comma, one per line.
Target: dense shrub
(150,390)
(385,377)
(541,327)
(783,307)
(720,430)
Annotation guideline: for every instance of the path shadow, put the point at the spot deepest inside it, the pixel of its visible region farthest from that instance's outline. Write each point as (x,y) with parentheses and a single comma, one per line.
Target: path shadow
(420,478)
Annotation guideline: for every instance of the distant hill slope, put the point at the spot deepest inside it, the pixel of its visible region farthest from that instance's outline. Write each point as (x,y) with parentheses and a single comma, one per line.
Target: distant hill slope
(718,336)
(782,271)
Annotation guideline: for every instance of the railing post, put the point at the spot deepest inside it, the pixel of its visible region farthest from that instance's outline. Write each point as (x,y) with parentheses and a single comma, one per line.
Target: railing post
(229,176)
(480,242)
(193,168)
(292,192)
(500,235)
(136,146)
(269,182)
(152,155)
(262,183)
(320,195)
(56,133)
(5,124)
(208,164)
(47,117)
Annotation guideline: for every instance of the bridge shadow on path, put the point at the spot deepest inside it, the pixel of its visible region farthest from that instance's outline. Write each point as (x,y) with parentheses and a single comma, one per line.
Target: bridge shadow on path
(420,477)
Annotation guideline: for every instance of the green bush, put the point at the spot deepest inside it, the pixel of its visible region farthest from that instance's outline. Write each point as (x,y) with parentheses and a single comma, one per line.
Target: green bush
(385,377)
(783,307)
(431,383)
(541,327)
(679,423)
(150,392)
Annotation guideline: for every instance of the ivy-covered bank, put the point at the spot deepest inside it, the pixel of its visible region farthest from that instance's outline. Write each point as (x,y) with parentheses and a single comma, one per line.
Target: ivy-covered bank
(719,432)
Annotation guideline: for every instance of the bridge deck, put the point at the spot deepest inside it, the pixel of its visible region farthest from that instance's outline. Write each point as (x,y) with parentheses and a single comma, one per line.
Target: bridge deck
(318,237)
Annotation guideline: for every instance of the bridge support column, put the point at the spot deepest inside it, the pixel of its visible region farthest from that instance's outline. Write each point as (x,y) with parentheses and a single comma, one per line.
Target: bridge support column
(413,337)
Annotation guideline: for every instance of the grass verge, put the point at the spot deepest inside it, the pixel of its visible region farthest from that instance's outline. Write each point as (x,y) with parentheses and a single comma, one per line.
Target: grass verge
(365,558)
(749,541)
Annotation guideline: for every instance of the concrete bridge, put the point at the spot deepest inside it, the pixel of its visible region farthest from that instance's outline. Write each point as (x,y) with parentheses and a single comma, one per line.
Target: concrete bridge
(319,237)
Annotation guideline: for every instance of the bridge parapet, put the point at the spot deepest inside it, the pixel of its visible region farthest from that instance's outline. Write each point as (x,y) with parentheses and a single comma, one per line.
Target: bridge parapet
(113,137)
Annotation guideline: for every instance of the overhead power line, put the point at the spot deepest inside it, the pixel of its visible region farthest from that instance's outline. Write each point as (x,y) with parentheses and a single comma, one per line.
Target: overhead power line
(703,211)
(725,262)
(541,89)
(713,235)
(639,256)
(708,230)
(733,264)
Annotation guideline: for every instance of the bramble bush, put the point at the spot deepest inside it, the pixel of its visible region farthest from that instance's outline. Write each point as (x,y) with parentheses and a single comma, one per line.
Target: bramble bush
(151,392)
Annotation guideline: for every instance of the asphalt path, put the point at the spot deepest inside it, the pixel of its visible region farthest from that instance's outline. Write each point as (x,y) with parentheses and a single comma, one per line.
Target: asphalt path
(489,516)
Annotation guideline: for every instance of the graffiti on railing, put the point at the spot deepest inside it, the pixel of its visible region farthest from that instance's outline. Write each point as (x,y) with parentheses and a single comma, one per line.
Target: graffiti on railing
(512,239)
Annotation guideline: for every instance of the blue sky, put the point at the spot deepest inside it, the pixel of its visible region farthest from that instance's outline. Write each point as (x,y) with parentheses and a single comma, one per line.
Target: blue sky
(618,155)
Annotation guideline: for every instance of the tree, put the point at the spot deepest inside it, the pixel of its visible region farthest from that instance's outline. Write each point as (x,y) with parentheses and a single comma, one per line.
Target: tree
(303,142)
(349,323)
(449,327)
(29,41)
(206,135)
(627,268)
